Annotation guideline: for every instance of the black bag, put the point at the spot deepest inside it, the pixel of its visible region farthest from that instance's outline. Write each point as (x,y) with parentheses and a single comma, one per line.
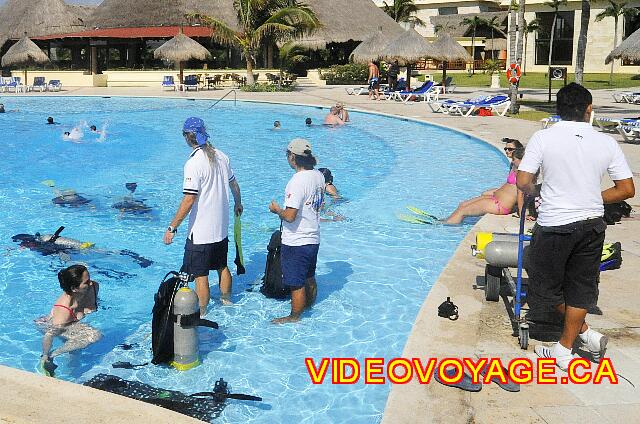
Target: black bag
(162,324)
(614,212)
(272,281)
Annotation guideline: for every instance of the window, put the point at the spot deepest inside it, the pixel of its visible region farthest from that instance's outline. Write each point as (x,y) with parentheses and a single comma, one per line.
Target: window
(562,39)
(447,11)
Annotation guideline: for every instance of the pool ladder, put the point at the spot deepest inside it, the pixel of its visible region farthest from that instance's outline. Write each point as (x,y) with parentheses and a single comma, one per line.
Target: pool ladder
(235,98)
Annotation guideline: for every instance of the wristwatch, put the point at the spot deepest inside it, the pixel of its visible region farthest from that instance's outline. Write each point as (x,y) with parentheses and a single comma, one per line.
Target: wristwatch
(172,229)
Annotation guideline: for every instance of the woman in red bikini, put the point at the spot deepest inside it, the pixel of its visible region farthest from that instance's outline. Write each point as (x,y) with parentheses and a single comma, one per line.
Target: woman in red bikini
(501,202)
(80,298)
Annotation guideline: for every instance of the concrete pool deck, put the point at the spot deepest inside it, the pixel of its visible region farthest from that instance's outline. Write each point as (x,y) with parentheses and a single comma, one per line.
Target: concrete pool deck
(483,328)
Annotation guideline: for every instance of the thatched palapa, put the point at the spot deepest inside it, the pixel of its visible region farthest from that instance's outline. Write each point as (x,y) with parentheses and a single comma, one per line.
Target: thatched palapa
(355,20)
(151,13)
(409,48)
(39,17)
(181,49)
(449,50)
(629,49)
(22,52)
(371,48)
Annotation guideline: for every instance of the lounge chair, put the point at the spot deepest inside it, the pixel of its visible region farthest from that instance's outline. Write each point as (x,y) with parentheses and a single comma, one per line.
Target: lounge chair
(39,84)
(556,118)
(356,91)
(3,84)
(426,91)
(15,84)
(626,97)
(449,86)
(54,85)
(169,82)
(631,134)
(605,123)
(190,81)
(495,103)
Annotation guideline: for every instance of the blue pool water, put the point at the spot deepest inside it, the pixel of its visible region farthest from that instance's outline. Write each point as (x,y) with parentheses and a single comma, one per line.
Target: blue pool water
(374,271)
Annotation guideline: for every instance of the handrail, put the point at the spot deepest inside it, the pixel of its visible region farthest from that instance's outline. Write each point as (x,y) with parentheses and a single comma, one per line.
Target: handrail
(235,98)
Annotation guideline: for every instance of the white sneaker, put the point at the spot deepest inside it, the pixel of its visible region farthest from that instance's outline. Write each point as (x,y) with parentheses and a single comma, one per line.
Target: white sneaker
(594,342)
(561,354)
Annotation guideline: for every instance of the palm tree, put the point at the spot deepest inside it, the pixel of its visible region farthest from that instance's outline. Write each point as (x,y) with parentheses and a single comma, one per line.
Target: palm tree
(515,106)
(494,25)
(261,21)
(403,11)
(582,40)
(291,54)
(615,10)
(555,5)
(473,24)
(529,27)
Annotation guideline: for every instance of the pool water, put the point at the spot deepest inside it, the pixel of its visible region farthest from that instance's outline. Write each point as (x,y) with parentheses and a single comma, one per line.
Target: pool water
(373,274)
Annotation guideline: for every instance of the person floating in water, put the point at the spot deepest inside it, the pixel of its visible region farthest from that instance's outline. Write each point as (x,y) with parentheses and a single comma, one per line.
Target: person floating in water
(2,108)
(79,298)
(50,121)
(66,198)
(130,205)
(277,125)
(308,122)
(53,244)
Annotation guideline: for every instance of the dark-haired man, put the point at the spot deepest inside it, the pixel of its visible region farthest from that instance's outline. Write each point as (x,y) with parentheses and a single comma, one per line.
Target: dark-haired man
(300,217)
(568,237)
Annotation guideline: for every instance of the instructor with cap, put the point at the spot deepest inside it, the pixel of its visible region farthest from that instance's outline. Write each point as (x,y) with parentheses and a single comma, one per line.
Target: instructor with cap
(206,176)
(300,217)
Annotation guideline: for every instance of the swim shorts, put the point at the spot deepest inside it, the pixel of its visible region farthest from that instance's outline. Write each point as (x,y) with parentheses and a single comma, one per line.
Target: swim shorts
(298,264)
(199,259)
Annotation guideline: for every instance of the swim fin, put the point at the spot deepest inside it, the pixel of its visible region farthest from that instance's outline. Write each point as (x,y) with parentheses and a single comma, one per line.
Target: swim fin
(49,183)
(47,368)
(413,220)
(464,384)
(418,211)
(509,386)
(237,236)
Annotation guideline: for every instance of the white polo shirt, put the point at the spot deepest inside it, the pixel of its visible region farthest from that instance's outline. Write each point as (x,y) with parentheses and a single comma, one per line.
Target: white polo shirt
(209,218)
(573,158)
(304,192)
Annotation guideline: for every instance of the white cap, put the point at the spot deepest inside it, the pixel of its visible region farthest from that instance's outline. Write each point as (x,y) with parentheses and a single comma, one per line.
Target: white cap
(300,147)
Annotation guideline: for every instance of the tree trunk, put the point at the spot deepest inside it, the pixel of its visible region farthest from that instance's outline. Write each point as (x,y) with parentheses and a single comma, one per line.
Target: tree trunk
(615,44)
(524,55)
(515,107)
(473,51)
(582,40)
(512,54)
(250,80)
(553,30)
(493,52)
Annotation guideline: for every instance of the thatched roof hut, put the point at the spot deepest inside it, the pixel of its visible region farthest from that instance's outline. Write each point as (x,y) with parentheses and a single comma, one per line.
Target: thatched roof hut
(409,48)
(181,49)
(449,50)
(150,13)
(355,20)
(39,17)
(371,48)
(22,52)
(629,49)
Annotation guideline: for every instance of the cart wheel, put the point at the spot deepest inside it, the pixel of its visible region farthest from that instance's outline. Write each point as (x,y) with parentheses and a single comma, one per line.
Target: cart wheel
(523,336)
(492,283)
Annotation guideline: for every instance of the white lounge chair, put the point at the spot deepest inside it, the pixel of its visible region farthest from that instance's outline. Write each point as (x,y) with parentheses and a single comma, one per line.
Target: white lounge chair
(38,84)
(356,91)
(631,134)
(498,104)
(168,82)
(626,97)
(54,85)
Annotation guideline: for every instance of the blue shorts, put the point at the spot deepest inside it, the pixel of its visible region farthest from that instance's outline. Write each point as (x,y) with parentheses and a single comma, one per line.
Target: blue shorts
(298,264)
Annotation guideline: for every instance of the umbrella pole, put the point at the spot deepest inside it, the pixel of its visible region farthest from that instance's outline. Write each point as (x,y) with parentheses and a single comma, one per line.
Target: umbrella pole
(444,74)
(408,77)
(181,72)
(25,76)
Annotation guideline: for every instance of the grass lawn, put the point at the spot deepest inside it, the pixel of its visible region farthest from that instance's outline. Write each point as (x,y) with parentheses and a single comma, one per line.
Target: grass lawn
(539,80)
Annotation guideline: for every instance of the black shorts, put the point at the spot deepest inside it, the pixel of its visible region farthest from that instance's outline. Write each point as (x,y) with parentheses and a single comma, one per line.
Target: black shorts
(199,259)
(564,264)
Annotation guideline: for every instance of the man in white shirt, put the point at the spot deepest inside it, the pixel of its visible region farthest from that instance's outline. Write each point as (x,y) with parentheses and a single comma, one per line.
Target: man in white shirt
(207,174)
(565,250)
(300,217)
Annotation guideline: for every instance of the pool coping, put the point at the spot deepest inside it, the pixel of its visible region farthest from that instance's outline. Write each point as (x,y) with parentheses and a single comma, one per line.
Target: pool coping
(432,402)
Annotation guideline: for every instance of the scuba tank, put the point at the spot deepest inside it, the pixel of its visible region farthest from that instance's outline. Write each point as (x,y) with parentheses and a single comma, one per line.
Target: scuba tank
(185,333)
(176,316)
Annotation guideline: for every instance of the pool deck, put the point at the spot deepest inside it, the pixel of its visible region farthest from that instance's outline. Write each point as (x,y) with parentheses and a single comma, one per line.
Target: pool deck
(483,329)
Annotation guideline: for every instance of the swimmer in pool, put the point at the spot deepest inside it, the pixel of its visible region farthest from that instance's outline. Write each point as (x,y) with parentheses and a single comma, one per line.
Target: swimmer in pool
(308,122)
(277,125)
(79,298)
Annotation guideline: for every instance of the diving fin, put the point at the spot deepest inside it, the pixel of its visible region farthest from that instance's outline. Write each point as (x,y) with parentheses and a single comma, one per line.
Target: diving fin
(49,183)
(237,236)
(414,220)
(418,211)
(56,235)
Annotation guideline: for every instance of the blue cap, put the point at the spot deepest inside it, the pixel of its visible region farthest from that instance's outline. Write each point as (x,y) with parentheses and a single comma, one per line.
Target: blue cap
(196,126)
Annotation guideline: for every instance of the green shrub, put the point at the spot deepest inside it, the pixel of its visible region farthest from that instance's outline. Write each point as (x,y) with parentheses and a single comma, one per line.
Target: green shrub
(267,88)
(351,73)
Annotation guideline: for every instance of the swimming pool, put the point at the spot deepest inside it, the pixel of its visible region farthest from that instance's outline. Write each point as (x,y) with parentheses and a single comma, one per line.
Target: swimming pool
(373,272)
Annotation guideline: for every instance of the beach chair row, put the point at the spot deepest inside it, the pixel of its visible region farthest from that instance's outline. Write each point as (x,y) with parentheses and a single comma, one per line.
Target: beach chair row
(498,104)
(15,85)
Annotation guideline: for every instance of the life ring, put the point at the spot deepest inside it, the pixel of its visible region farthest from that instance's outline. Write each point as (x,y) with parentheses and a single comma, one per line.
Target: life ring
(514,73)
